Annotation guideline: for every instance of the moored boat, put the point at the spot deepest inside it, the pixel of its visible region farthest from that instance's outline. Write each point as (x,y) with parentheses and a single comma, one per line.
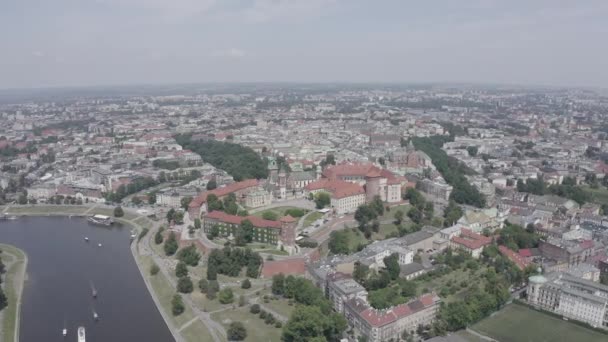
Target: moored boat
(81,335)
(101,219)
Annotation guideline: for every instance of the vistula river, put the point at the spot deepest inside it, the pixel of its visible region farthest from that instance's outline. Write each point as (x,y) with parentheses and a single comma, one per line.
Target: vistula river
(63,268)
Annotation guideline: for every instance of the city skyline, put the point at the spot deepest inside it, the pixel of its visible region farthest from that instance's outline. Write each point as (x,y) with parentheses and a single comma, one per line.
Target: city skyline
(108,42)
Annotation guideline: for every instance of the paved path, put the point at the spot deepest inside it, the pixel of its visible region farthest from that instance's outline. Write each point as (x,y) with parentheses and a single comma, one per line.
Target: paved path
(299,203)
(483,337)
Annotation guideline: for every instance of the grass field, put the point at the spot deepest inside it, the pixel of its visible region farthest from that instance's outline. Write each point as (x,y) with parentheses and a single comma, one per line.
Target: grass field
(17,258)
(311,218)
(257,330)
(599,195)
(454,279)
(47,209)
(279,211)
(197,331)
(280,306)
(517,323)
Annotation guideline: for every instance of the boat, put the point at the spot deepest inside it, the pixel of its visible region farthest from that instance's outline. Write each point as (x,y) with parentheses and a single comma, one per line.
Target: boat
(86,239)
(93,290)
(101,220)
(64,332)
(12,217)
(95,316)
(98,245)
(81,335)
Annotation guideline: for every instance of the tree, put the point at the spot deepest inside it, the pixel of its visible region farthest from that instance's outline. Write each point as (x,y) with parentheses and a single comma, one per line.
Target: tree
(170,246)
(236,331)
(170,215)
(212,184)
(158,237)
(338,242)
(309,323)
(118,212)
(472,150)
(197,223)
(246,284)
(189,255)
(322,199)
(212,272)
(181,270)
(136,200)
(255,309)
(391,263)
(452,214)
(177,305)
(415,197)
(245,233)
(415,215)
(278,284)
(184,285)
(22,199)
(154,269)
(3,299)
(398,217)
(203,285)
(226,296)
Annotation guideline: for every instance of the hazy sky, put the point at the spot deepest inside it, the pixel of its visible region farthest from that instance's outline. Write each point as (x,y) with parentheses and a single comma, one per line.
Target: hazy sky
(101,42)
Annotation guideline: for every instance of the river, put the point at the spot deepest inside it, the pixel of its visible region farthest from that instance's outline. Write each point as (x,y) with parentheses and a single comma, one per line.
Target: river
(63,268)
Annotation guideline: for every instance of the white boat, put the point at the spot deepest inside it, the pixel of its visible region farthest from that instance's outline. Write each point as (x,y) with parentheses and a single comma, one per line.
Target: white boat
(81,335)
(86,239)
(65,332)
(101,219)
(99,245)
(95,316)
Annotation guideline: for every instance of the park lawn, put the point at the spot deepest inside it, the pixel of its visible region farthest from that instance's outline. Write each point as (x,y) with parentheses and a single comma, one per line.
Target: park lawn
(203,303)
(279,211)
(390,215)
(518,323)
(196,332)
(47,209)
(384,231)
(599,195)
(467,336)
(312,217)
(456,277)
(280,306)
(257,330)
(355,238)
(164,292)
(271,251)
(10,322)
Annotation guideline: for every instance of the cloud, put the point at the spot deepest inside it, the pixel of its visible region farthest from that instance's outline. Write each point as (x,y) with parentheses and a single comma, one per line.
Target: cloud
(164,7)
(232,52)
(38,54)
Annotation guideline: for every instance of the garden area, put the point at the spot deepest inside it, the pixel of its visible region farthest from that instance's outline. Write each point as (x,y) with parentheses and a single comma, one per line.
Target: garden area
(275,214)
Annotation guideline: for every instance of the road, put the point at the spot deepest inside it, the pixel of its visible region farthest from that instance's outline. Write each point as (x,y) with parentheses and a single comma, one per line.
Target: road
(322,234)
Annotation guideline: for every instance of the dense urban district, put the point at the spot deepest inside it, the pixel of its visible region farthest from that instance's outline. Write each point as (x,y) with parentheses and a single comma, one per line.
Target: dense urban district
(334,212)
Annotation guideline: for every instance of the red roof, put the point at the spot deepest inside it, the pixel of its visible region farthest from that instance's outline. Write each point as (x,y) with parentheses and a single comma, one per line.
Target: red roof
(289,266)
(525,253)
(287,219)
(338,188)
(350,169)
(223,191)
(471,240)
(234,219)
(514,257)
(586,244)
(378,318)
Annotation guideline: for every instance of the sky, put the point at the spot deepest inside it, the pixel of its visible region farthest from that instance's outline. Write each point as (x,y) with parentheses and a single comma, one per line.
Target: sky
(49,43)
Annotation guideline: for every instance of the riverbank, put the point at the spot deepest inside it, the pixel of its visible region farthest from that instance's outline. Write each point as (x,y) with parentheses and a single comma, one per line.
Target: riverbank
(13,288)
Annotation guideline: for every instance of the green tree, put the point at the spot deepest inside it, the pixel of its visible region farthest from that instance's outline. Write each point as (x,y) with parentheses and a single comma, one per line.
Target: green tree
(158,237)
(184,285)
(185,202)
(154,269)
(322,199)
(177,305)
(181,270)
(170,246)
(189,255)
(391,263)
(472,150)
(338,242)
(398,217)
(452,214)
(269,215)
(170,215)
(278,284)
(246,284)
(203,285)
(197,223)
(118,212)
(226,296)
(236,331)
(212,184)
(3,299)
